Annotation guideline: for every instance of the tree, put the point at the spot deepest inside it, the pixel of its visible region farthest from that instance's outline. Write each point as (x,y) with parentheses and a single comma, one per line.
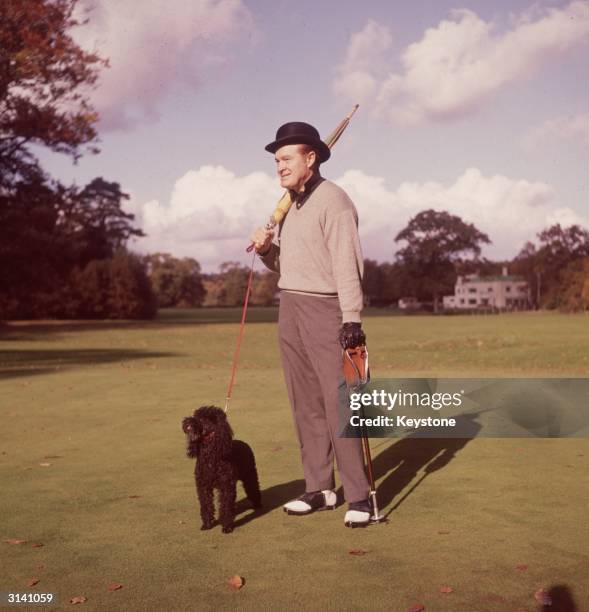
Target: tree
(235,277)
(526,264)
(130,295)
(94,221)
(544,266)
(436,242)
(42,73)
(372,282)
(558,248)
(575,286)
(264,288)
(175,282)
(214,292)
(49,232)
(115,288)
(92,285)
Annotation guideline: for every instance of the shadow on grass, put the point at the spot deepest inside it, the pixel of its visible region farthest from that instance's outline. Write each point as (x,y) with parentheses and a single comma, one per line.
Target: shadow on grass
(22,331)
(272,498)
(561,599)
(14,363)
(406,463)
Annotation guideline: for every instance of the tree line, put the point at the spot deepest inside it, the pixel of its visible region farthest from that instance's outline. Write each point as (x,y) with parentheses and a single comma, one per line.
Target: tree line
(64,248)
(436,247)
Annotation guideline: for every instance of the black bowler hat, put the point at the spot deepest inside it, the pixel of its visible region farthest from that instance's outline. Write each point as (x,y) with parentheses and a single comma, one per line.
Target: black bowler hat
(297,132)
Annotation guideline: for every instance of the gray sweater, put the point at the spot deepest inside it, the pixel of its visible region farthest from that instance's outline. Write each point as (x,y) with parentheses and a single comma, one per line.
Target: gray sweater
(318,250)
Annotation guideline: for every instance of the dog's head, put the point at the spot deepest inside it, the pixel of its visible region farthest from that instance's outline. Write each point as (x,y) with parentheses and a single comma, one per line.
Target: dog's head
(207,428)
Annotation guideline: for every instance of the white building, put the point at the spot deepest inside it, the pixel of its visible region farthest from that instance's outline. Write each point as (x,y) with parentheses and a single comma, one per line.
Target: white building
(502,292)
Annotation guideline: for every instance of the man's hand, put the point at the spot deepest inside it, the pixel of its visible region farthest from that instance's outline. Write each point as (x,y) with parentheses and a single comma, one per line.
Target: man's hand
(262,239)
(351,335)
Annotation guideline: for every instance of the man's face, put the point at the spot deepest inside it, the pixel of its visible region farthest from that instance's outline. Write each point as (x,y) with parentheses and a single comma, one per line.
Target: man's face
(294,166)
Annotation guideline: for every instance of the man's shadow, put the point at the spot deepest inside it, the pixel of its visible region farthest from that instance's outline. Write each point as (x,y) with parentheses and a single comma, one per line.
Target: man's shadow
(407,462)
(400,464)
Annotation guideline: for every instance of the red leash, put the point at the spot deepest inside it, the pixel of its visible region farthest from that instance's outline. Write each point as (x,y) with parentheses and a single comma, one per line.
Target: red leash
(240,336)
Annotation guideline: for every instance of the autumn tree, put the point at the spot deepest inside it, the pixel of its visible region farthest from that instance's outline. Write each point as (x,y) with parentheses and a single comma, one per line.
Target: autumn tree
(42,74)
(48,230)
(436,242)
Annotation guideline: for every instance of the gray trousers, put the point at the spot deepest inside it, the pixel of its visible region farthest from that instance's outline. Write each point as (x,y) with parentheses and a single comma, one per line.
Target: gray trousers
(308,329)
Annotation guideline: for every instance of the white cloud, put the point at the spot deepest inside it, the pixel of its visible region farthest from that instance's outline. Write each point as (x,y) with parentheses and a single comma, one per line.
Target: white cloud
(364,62)
(459,65)
(212,212)
(573,127)
(510,211)
(210,215)
(153,47)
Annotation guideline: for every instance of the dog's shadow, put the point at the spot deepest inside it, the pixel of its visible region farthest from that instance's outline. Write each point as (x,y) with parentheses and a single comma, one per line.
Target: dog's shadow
(272,498)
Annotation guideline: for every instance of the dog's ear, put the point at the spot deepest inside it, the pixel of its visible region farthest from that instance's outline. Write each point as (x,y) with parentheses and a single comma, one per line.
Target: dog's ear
(186,424)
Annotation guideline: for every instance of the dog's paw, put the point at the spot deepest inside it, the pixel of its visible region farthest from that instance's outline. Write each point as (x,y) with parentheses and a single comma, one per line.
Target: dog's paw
(206,526)
(228,529)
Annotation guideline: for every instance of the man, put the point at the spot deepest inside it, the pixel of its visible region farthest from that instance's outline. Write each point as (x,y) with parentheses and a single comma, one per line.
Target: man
(317,252)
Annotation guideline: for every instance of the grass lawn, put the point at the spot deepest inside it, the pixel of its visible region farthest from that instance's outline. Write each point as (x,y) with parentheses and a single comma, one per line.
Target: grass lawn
(93,467)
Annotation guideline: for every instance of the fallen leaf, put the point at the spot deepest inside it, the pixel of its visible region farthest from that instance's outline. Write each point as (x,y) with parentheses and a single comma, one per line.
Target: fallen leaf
(443,532)
(44,464)
(417,608)
(37,545)
(134,496)
(115,586)
(357,552)
(522,567)
(13,541)
(276,449)
(542,597)
(79,599)
(32,582)
(181,522)
(236,582)
(53,457)
(446,589)
(41,566)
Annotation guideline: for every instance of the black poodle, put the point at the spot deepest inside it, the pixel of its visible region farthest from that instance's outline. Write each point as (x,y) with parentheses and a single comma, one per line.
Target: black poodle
(220,462)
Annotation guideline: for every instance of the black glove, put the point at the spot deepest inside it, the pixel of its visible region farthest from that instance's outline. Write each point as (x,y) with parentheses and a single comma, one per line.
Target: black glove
(351,335)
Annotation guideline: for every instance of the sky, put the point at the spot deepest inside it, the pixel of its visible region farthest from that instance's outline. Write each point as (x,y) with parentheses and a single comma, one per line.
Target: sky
(477,108)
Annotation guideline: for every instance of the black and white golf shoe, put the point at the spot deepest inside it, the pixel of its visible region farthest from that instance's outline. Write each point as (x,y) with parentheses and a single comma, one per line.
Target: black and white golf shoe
(310,502)
(358,514)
